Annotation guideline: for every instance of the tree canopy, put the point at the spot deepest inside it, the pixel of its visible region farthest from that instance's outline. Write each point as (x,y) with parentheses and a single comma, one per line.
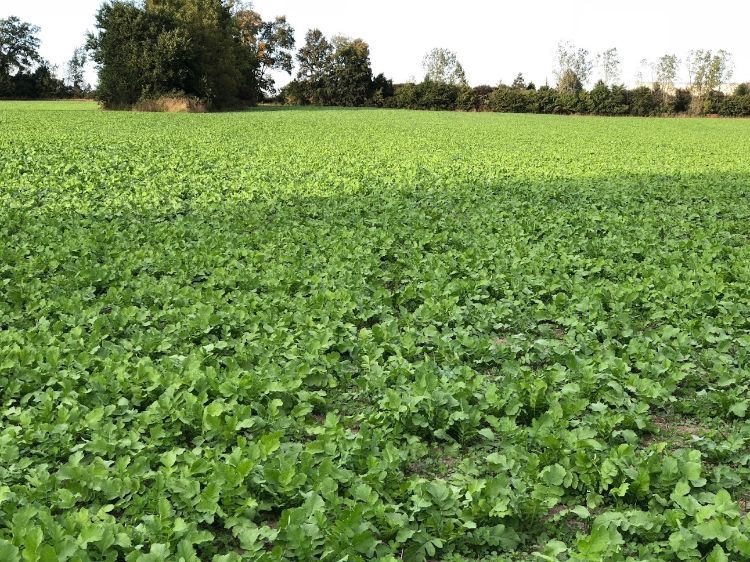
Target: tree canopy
(335,72)
(221,52)
(23,71)
(442,66)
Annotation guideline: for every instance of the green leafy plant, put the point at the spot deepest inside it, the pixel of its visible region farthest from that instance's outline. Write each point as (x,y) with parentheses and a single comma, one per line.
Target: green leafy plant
(344,335)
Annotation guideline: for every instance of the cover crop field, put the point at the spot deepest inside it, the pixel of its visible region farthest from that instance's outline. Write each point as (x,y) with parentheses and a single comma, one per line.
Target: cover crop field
(372,335)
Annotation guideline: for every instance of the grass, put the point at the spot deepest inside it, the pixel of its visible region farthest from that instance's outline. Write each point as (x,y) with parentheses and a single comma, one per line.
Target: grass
(305,335)
(43,105)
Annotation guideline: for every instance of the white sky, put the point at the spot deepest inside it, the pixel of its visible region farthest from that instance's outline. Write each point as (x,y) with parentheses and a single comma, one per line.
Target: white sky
(494,40)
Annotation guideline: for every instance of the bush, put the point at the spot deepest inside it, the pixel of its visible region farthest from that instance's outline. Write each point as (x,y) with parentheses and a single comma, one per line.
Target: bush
(569,102)
(545,100)
(404,96)
(511,100)
(468,99)
(643,101)
(681,101)
(172,103)
(604,100)
(381,89)
(295,93)
(437,96)
(735,106)
(712,103)
(482,94)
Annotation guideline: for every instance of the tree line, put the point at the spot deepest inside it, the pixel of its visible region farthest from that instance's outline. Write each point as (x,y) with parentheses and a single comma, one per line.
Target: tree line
(24,74)
(223,53)
(444,86)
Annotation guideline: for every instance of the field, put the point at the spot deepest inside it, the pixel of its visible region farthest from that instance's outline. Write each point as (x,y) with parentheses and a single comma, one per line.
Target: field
(372,335)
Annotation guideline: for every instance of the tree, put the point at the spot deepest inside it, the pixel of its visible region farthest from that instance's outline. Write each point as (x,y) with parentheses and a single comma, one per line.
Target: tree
(337,72)
(270,44)
(382,89)
(139,53)
(315,60)
(442,66)
(569,83)
(666,70)
(608,63)
(220,68)
(275,49)
(608,101)
(216,50)
(570,58)
(315,56)
(19,46)
(708,71)
(645,73)
(75,71)
(518,83)
(351,71)
(23,72)
(643,101)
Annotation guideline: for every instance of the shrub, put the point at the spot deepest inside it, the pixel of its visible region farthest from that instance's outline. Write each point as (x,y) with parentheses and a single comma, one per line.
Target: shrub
(172,103)
(511,100)
(604,100)
(643,101)
(482,94)
(404,96)
(568,102)
(681,101)
(468,99)
(545,100)
(437,95)
(735,106)
(712,103)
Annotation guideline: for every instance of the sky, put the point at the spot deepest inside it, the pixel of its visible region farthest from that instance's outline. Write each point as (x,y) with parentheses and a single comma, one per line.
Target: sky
(494,40)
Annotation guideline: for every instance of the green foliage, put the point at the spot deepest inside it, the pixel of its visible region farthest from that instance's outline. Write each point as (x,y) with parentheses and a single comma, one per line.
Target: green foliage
(383,336)
(336,73)
(601,100)
(19,46)
(198,48)
(608,101)
(569,83)
(352,74)
(441,66)
(643,101)
(511,99)
(24,74)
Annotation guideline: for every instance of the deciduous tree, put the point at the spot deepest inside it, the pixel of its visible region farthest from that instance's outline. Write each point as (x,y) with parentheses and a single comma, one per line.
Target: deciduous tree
(608,64)
(315,60)
(75,71)
(571,58)
(352,72)
(665,70)
(19,46)
(442,66)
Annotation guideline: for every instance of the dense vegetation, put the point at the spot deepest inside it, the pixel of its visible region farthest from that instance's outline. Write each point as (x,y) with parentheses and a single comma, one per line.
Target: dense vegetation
(642,101)
(384,335)
(24,74)
(220,54)
(217,51)
(319,82)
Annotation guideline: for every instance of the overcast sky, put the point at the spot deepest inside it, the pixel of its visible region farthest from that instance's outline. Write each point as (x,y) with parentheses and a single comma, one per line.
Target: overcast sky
(494,40)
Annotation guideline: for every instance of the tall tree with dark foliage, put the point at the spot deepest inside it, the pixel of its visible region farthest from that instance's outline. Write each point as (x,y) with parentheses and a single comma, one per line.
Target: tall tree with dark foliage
(218,51)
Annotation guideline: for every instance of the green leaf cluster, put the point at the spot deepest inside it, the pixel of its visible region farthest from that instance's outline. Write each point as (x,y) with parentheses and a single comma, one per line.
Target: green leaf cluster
(347,335)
